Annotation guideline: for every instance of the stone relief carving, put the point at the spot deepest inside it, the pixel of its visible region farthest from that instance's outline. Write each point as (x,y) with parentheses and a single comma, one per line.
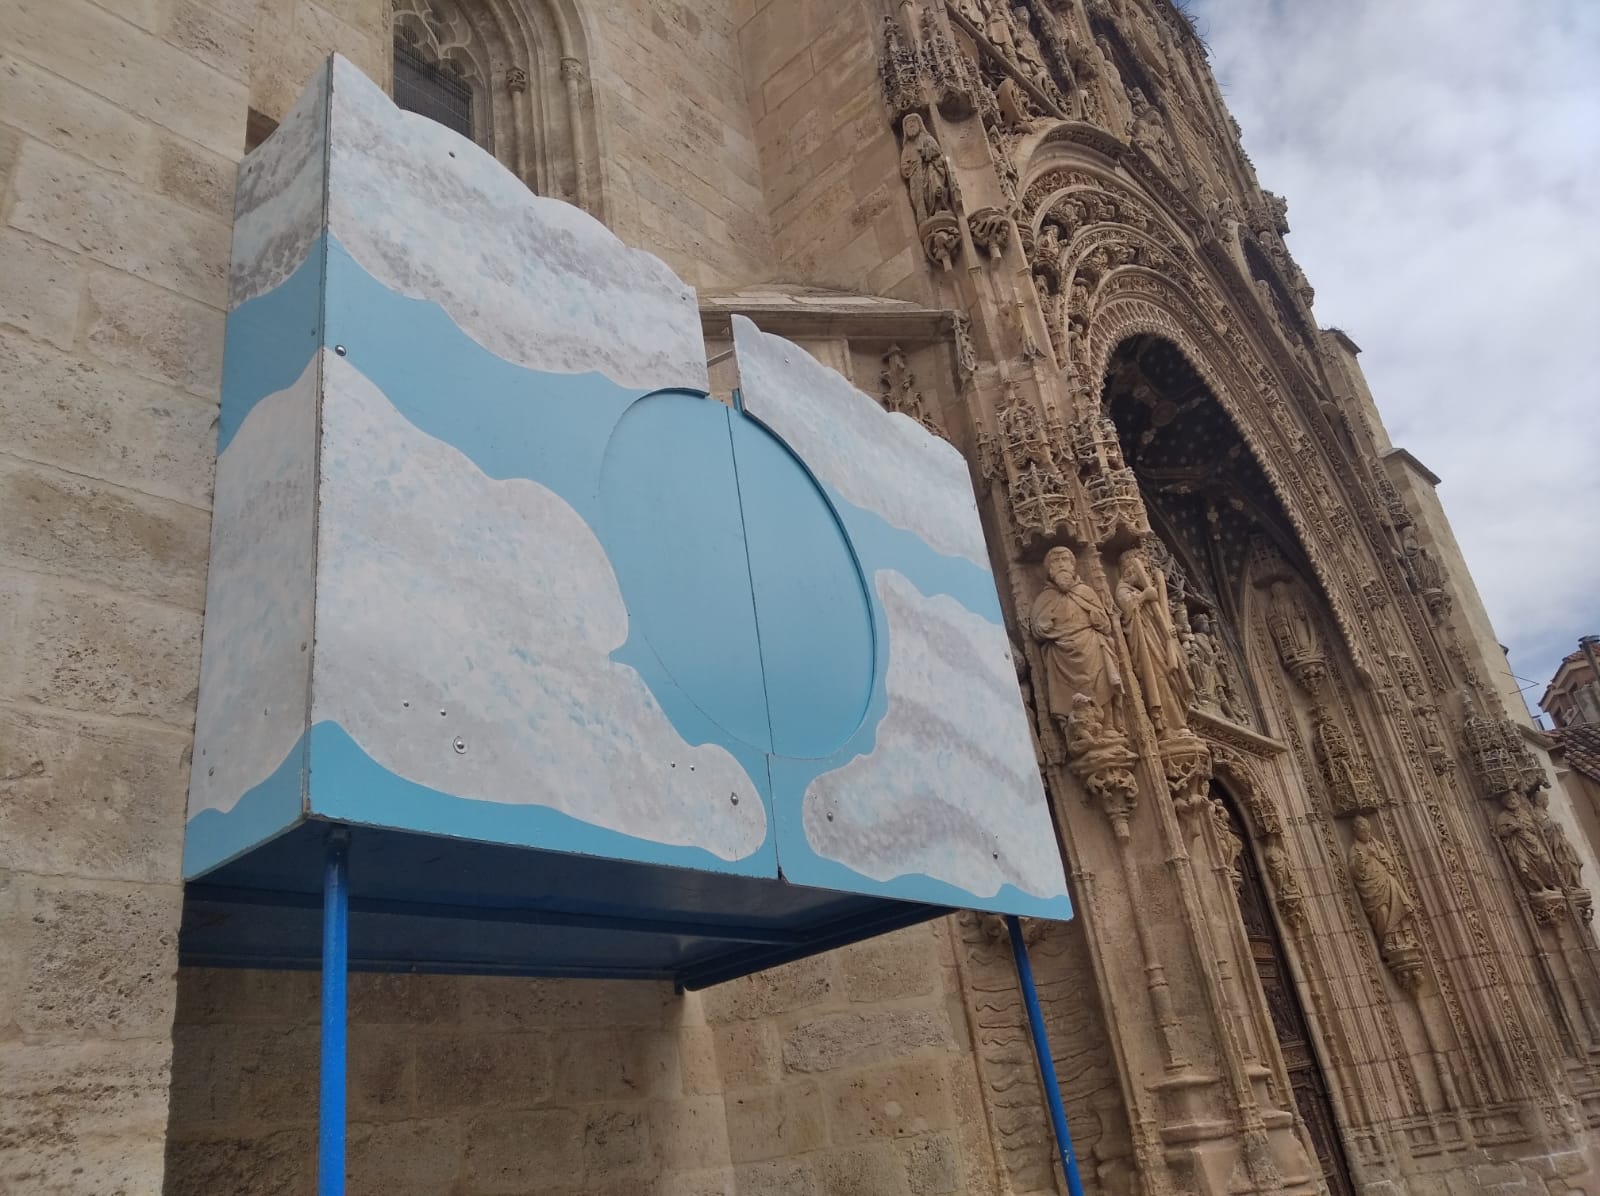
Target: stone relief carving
(1388,908)
(1152,642)
(1149,133)
(901,70)
(1030,57)
(900,392)
(933,199)
(1079,295)
(1022,455)
(1569,868)
(1114,497)
(1295,637)
(1425,572)
(1286,891)
(991,230)
(1544,862)
(1568,865)
(1528,852)
(1210,676)
(1083,685)
(1074,631)
(1344,770)
(1434,743)
(1230,843)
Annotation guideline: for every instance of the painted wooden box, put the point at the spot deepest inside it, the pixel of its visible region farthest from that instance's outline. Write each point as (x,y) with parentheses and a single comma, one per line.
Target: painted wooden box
(606,676)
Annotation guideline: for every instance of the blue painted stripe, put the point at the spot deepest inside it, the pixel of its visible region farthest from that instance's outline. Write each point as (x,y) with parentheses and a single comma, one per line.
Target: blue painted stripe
(349,786)
(213,837)
(268,341)
(332,1079)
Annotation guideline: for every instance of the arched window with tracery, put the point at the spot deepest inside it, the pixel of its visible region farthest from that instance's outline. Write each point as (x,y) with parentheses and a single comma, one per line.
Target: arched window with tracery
(513,76)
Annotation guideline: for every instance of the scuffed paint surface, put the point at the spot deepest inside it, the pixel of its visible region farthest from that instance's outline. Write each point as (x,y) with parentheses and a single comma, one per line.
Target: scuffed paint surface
(950,788)
(452,606)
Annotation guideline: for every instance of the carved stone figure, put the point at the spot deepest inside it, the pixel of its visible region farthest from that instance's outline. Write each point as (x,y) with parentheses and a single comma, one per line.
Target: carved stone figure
(1525,846)
(1295,638)
(1149,134)
(1030,56)
(1377,882)
(1230,843)
(1205,666)
(1152,643)
(927,175)
(1424,569)
(1080,657)
(925,170)
(1569,868)
(1285,885)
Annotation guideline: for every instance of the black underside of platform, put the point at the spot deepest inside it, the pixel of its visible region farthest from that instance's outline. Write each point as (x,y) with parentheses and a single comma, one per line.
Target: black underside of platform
(421,903)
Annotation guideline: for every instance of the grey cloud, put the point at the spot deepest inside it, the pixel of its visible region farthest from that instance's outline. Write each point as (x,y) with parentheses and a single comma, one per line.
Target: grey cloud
(1442,166)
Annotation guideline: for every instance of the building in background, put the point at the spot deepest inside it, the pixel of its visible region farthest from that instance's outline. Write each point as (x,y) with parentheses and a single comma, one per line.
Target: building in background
(1573,696)
(1334,897)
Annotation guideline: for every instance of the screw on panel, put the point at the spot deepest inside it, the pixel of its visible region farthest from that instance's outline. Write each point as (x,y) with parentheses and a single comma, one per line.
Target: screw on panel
(339,349)
(734,798)
(460,746)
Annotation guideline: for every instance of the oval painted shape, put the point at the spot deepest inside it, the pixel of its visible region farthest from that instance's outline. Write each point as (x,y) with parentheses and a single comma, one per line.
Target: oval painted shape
(818,648)
(737,575)
(675,536)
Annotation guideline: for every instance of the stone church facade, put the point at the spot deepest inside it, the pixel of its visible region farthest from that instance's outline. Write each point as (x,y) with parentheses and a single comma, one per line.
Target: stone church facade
(1334,905)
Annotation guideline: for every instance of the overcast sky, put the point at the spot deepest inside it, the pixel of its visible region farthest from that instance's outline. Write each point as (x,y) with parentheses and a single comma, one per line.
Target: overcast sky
(1441,159)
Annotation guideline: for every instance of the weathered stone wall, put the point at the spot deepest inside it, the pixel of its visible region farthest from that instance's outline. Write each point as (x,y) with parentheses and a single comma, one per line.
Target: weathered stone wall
(828,154)
(277,44)
(846,1073)
(682,175)
(119,126)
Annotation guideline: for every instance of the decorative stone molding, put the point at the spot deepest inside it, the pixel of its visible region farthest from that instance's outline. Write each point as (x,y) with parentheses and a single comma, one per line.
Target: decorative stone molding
(901,70)
(1114,499)
(1023,455)
(991,231)
(900,392)
(1344,769)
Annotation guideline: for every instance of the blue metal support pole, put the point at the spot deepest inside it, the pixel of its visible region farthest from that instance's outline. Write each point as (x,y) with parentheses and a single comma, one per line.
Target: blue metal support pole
(1041,1051)
(335,977)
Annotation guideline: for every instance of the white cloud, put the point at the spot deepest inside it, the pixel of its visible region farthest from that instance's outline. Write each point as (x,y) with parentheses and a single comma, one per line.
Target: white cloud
(1442,166)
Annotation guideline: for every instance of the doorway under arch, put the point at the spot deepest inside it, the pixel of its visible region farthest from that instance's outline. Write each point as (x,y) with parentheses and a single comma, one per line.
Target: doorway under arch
(1307,1079)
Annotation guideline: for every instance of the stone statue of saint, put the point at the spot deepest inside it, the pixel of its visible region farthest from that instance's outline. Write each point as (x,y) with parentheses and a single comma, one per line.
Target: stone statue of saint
(1569,868)
(1205,663)
(1080,657)
(1030,57)
(1524,845)
(1419,561)
(1373,872)
(1227,839)
(925,170)
(1279,870)
(1157,660)
(1149,133)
